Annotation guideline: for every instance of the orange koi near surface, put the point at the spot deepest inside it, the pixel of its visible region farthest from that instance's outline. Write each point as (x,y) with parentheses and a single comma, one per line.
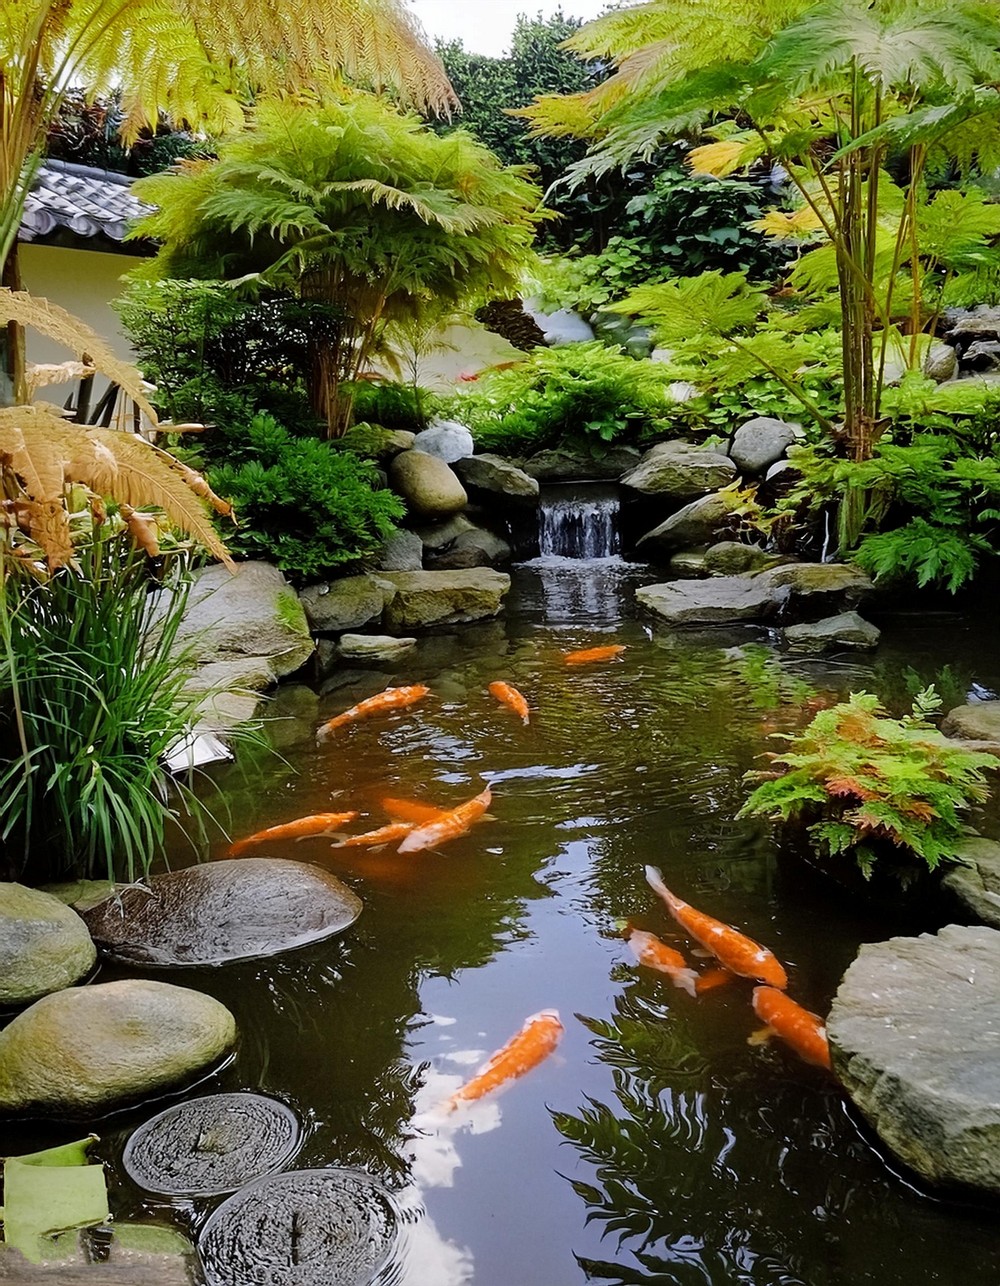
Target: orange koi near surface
(390,699)
(411,810)
(594,654)
(654,954)
(378,838)
(509,696)
(801,1030)
(450,826)
(301,828)
(534,1042)
(738,953)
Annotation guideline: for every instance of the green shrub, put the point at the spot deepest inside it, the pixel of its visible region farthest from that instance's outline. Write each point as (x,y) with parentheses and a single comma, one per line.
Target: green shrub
(394,406)
(872,787)
(303,504)
(91,697)
(580,396)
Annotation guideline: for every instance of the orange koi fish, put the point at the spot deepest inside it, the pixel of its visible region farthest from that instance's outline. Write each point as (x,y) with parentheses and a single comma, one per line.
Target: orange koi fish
(654,954)
(594,654)
(376,839)
(535,1041)
(411,810)
(450,826)
(738,953)
(801,1030)
(301,828)
(509,696)
(390,699)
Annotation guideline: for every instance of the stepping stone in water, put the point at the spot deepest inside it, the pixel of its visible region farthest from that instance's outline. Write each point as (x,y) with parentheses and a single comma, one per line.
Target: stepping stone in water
(308,1228)
(44,945)
(241,909)
(212,1145)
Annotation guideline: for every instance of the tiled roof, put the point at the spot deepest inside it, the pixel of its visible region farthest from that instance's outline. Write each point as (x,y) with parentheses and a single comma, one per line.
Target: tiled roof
(81,201)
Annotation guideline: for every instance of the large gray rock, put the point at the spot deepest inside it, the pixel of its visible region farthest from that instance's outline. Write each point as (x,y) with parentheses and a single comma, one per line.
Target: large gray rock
(439,535)
(492,478)
(696,524)
(976,882)
(978,721)
(402,552)
(760,443)
(427,484)
(90,1050)
(254,613)
(941,362)
(345,604)
(834,633)
(559,465)
(718,600)
(374,648)
(680,471)
(444,598)
(475,548)
(241,909)
(447,440)
(813,587)
(44,945)
(730,558)
(915,1038)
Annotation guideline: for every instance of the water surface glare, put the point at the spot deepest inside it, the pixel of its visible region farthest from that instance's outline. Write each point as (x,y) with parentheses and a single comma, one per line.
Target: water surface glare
(656,1145)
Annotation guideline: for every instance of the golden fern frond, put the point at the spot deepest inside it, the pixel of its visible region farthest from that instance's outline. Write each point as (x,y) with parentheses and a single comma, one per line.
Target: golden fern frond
(56,323)
(42,374)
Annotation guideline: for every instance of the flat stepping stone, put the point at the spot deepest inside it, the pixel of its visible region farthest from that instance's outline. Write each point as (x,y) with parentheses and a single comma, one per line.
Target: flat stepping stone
(848,630)
(332,1227)
(915,1037)
(241,909)
(44,945)
(212,1145)
(976,883)
(89,1051)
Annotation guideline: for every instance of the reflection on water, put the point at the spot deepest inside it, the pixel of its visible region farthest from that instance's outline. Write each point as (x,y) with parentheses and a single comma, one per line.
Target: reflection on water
(656,1145)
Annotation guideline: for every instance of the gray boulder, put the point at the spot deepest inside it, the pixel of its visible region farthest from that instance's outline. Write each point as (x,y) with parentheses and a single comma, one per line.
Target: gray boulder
(402,552)
(559,465)
(439,535)
(761,442)
(696,524)
(427,484)
(241,909)
(254,613)
(446,440)
(978,721)
(982,355)
(941,362)
(347,604)
(44,945)
(90,1050)
(444,598)
(834,633)
(976,882)
(491,478)
(475,548)
(689,563)
(915,1038)
(374,647)
(718,600)
(817,587)
(680,471)
(730,558)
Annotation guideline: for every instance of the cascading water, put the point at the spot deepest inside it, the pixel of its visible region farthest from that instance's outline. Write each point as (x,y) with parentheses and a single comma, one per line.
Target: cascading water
(579,524)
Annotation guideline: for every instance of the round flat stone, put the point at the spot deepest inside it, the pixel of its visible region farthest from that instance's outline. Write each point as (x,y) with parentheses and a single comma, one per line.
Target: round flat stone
(222,912)
(208,1146)
(332,1227)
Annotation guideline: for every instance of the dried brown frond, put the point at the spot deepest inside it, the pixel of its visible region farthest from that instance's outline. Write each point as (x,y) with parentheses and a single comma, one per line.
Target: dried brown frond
(42,374)
(143,529)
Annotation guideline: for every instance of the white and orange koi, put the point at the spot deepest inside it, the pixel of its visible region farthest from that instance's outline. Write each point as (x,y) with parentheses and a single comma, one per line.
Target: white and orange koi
(801,1030)
(509,696)
(654,954)
(588,654)
(738,953)
(390,699)
(448,827)
(534,1042)
(301,828)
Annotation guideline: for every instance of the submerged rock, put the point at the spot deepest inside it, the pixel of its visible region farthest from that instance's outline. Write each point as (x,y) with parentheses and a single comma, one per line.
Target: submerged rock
(374,647)
(679,471)
(44,945)
(444,598)
(848,630)
(428,485)
(91,1050)
(915,1037)
(241,909)
(976,882)
(212,1145)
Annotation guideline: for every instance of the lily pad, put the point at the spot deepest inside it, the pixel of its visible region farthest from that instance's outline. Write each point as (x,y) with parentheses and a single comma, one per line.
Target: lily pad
(211,1145)
(333,1227)
(49,1192)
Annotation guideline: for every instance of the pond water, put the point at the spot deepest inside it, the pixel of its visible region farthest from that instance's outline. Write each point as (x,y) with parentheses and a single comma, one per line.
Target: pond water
(656,1145)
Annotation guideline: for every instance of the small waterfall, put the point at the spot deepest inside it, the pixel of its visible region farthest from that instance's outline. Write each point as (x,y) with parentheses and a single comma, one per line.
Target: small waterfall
(579,523)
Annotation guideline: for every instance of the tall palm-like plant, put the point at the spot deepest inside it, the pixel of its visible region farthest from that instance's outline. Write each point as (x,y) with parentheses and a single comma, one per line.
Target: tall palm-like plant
(352,204)
(834,91)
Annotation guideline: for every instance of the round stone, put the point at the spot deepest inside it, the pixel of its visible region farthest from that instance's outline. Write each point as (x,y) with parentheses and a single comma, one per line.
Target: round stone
(241,909)
(332,1227)
(44,945)
(88,1051)
(208,1146)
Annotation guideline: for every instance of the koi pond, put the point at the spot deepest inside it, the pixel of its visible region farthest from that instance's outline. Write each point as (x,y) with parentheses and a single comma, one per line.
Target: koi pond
(656,1144)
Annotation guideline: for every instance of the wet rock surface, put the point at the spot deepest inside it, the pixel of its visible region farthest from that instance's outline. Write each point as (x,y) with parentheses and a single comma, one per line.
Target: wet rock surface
(698,523)
(915,1037)
(494,479)
(730,558)
(976,883)
(709,602)
(91,1050)
(846,630)
(44,945)
(345,604)
(977,721)
(332,1227)
(212,1145)
(557,465)
(680,471)
(444,597)
(241,909)
(374,647)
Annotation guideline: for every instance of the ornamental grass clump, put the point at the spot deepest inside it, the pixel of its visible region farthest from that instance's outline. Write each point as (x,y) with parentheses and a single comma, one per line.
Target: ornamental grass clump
(872,788)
